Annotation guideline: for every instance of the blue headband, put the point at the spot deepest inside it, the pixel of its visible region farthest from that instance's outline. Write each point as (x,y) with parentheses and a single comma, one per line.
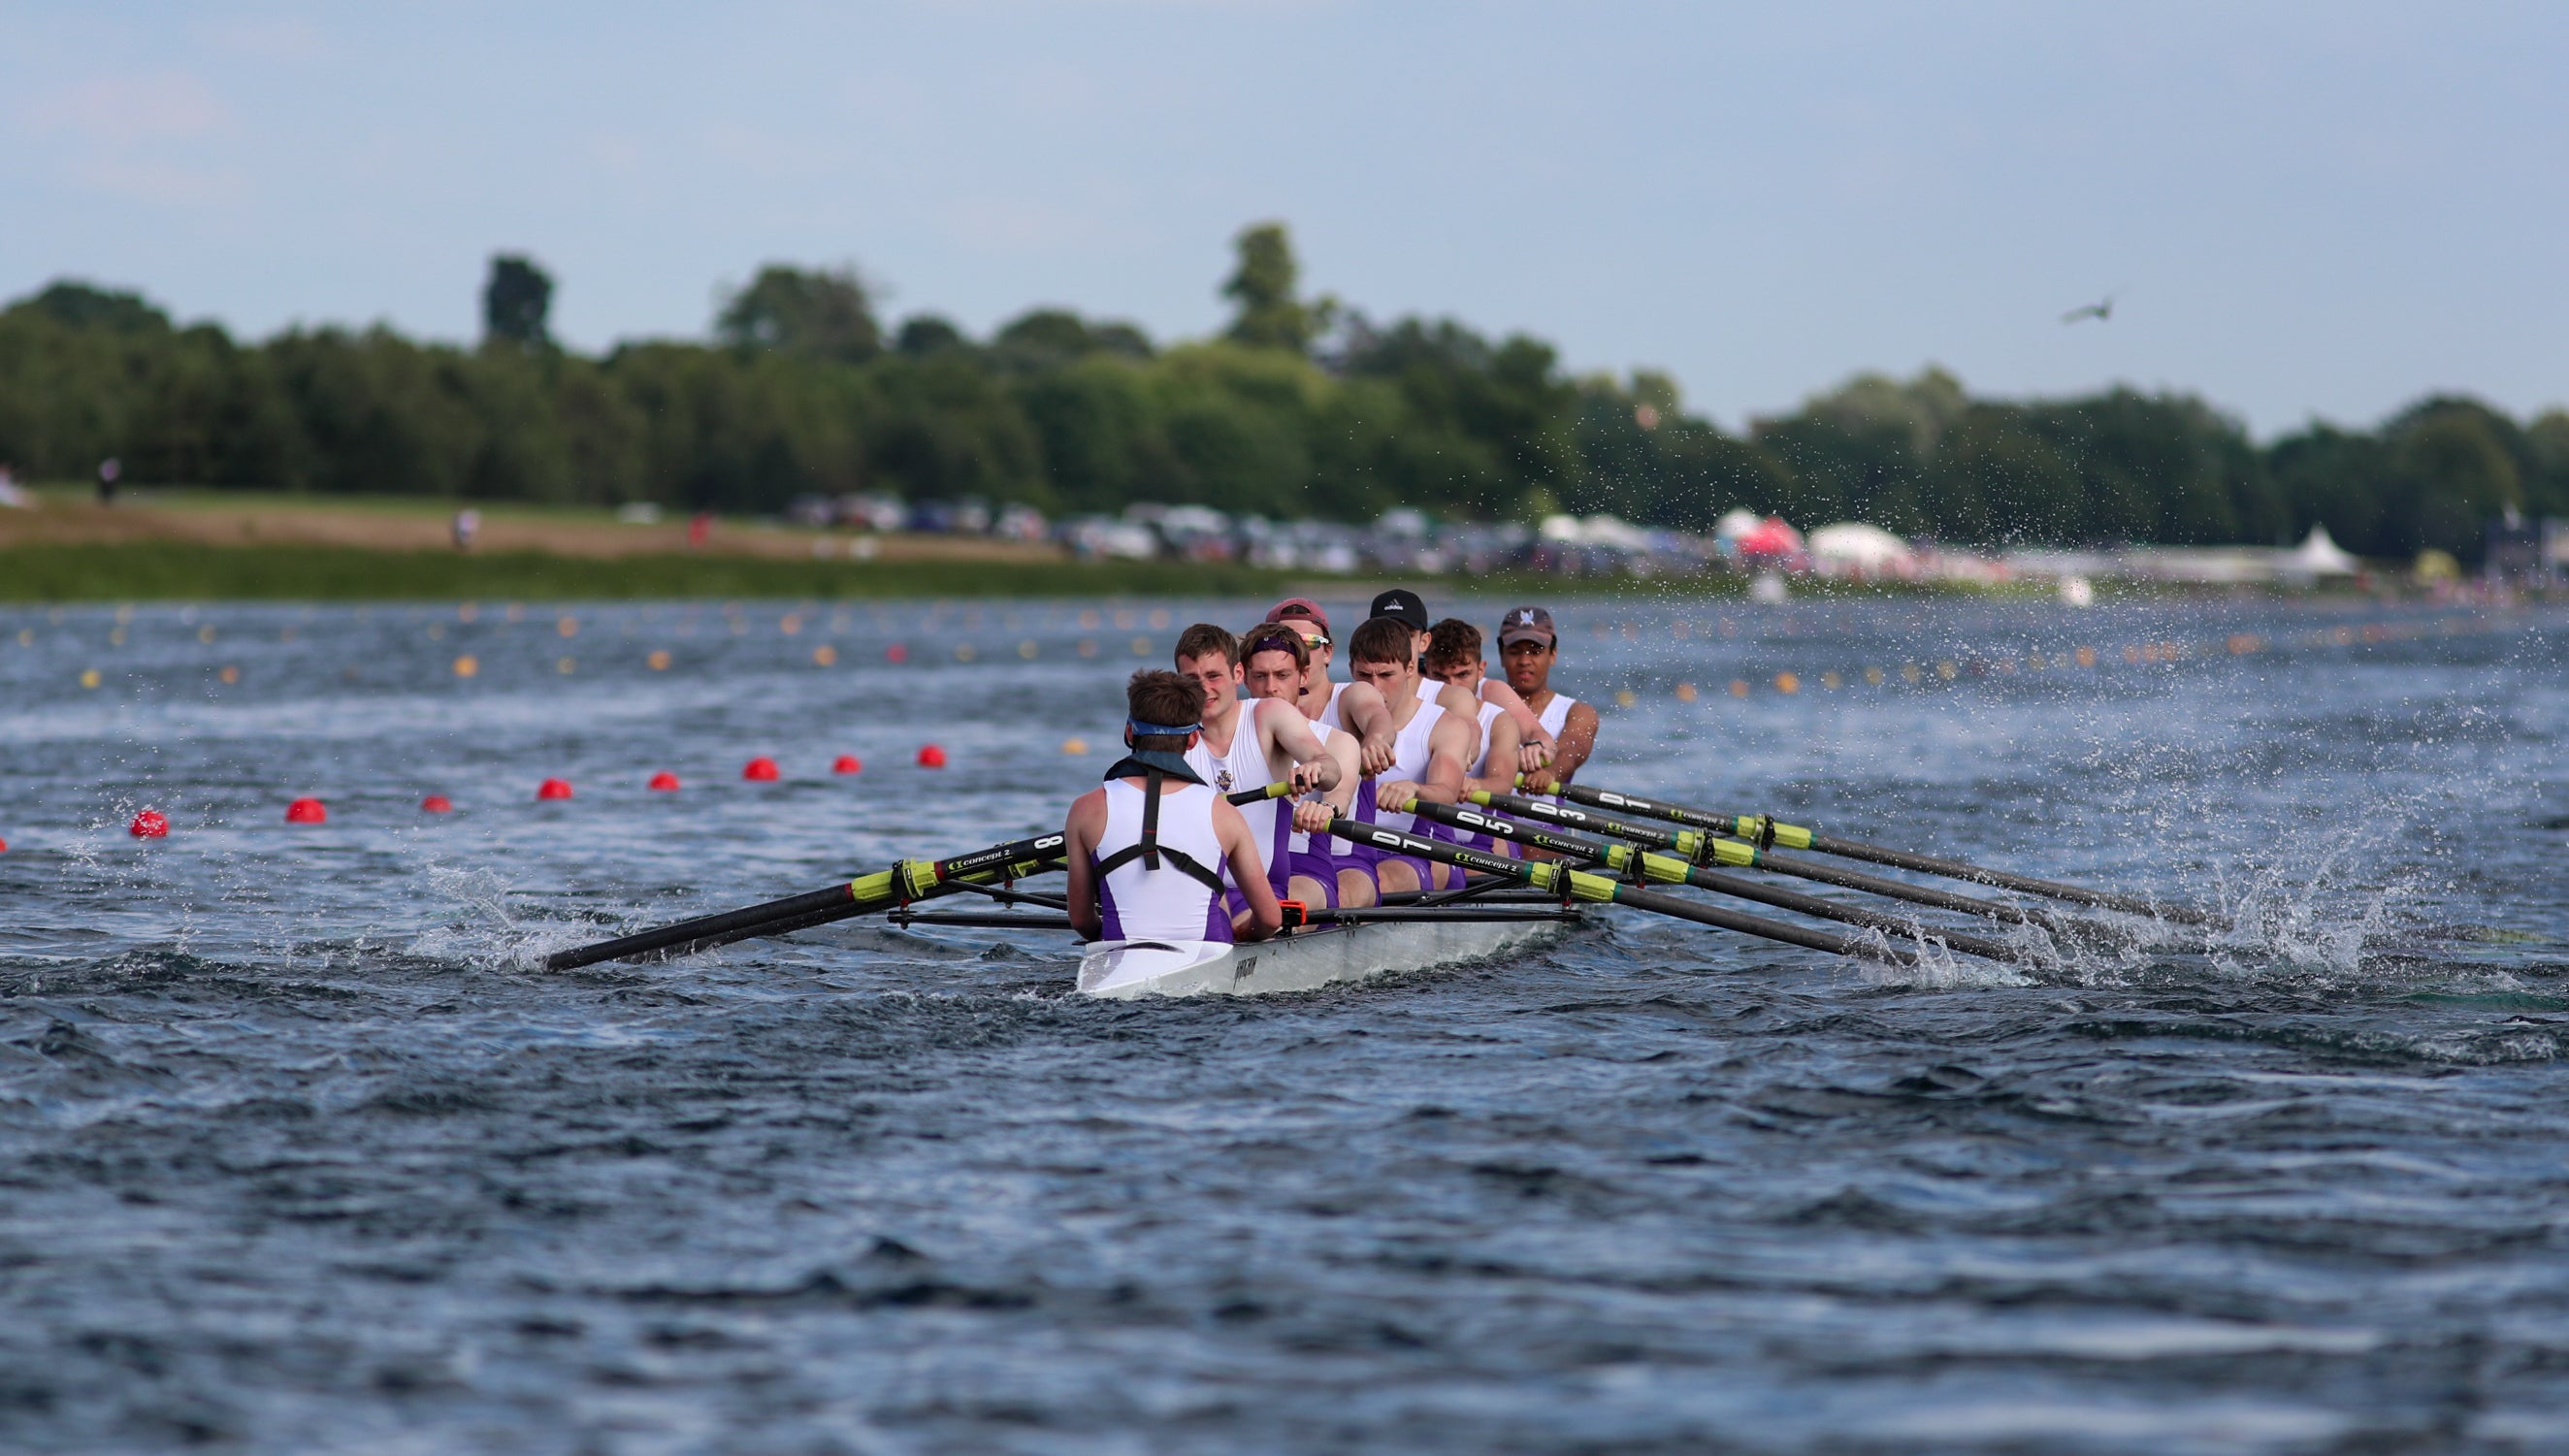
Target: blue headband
(1146,730)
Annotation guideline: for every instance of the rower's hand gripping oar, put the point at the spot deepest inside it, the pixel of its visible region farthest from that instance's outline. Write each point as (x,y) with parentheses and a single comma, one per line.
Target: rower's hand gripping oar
(1569,884)
(1766,832)
(1668,870)
(905,882)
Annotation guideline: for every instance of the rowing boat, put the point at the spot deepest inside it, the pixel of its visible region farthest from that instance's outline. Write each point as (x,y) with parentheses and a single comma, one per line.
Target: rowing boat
(1301,960)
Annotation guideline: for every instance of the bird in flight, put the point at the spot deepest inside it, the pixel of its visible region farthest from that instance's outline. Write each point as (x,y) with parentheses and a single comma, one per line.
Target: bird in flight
(2097,311)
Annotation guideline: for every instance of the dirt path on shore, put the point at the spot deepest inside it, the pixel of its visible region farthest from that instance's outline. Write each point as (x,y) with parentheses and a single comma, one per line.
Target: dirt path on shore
(416,527)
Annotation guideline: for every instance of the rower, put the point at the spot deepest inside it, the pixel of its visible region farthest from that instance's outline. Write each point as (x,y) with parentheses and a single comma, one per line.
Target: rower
(1349,706)
(1275,664)
(1146,850)
(1251,745)
(1454,656)
(1430,748)
(1527,648)
(1406,605)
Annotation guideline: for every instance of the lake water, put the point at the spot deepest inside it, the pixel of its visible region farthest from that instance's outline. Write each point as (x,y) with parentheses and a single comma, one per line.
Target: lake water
(299,1152)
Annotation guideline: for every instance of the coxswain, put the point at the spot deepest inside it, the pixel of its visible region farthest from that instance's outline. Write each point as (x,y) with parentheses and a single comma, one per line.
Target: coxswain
(1147,852)
(1275,664)
(1249,745)
(1408,606)
(1431,749)
(1527,648)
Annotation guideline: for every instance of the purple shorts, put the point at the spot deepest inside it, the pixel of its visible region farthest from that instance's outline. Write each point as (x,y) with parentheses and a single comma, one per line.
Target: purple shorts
(1376,859)
(1323,868)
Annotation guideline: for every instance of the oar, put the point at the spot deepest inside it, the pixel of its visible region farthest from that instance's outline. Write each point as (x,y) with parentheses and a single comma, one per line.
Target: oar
(884,890)
(1763,831)
(1668,870)
(1571,884)
(1707,848)
(908,881)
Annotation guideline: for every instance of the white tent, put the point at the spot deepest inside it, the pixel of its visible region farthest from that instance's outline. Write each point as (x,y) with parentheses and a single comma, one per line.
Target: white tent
(2318,555)
(1736,523)
(1852,546)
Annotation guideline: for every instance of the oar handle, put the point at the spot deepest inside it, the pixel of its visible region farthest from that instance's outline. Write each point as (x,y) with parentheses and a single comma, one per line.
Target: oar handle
(1280,788)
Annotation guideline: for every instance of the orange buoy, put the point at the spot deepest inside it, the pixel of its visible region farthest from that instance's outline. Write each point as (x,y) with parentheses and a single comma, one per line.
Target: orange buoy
(437,804)
(845,763)
(932,757)
(307,810)
(150,823)
(663,782)
(760,770)
(554,788)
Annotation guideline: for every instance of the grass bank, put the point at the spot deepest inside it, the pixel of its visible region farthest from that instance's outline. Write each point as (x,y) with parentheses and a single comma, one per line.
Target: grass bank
(171,571)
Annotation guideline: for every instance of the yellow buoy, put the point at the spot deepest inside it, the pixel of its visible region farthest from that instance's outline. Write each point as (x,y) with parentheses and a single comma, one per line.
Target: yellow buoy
(567,626)
(1686,692)
(1027,649)
(823,655)
(1739,687)
(1786,682)
(657,662)
(467,665)
(565,665)
(88,678)
(1074,746)
(965,653)
(229,674)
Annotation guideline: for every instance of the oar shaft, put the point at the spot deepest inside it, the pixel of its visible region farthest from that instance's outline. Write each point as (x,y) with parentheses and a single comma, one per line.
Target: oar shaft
(1580,885)
(1765,832)
(1667,868)
(908,881)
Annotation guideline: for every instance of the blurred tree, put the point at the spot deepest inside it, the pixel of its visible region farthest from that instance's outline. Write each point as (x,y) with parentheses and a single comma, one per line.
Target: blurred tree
(923,334)
(1262,287)
(514,303)
(815,314)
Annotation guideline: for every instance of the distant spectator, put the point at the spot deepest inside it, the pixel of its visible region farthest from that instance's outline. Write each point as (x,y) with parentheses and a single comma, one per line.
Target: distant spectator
(700,530)
(10,494)
(108,469)
(468,526)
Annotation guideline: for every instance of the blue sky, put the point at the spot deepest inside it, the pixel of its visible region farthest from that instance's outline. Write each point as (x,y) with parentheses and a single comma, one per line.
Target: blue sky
(2304,209)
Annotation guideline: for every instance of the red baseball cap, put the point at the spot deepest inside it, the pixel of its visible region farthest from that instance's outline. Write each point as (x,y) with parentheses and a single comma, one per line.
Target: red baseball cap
(1299,606)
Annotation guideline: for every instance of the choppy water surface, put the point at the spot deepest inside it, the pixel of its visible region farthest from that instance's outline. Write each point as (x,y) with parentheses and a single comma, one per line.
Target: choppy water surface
(298,1151)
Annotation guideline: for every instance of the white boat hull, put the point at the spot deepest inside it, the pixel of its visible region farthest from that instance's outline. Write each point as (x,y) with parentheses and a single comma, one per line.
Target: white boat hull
(1125,970)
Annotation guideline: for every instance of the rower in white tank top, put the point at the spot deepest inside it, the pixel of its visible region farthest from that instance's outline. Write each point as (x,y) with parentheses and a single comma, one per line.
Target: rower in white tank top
(1409,761)
(1296,840)
(1173,901)
(1246,767)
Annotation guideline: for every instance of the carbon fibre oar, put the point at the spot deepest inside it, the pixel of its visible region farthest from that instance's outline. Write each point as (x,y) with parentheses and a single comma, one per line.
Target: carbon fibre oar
(1764,832)
(908,881)
(1705,848)
(1569,884)
(1669,870)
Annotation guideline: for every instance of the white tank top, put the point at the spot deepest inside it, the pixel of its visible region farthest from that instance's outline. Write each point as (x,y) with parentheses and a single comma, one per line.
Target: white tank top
(1556,714)
(1409,761)
(1431,689)
(1481,766)
(1329,716)
(1244,767)
(1142,903)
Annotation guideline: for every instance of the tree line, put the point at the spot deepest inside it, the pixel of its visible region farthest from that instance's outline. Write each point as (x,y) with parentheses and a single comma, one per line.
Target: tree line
(1300,408)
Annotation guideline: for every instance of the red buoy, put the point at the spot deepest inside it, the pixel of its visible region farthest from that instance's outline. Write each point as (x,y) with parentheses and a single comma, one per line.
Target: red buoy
(4,847)
(150,823)
(307,810)
(845,763)
(932,757)
(437,804)
(895,654)
(760,770)
(663,782)
(554,788)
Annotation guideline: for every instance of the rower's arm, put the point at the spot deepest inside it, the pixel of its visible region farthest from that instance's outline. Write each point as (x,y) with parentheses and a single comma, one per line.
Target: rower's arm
(1529,725)
(1369,719)
(1247,874)
(1079,833)
(1449,751)
(1502,758)
(1289,734)
(1577,741)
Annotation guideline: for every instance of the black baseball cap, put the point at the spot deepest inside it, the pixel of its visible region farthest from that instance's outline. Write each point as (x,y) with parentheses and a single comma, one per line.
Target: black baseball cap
(1403,604)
